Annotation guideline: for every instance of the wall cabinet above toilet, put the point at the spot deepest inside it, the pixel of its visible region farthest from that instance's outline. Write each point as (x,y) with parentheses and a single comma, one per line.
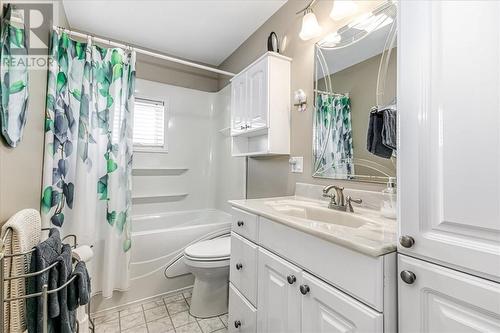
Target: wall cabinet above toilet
(260,107)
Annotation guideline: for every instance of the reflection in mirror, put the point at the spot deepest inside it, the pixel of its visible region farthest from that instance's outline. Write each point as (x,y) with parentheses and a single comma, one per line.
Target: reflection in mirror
(355,99)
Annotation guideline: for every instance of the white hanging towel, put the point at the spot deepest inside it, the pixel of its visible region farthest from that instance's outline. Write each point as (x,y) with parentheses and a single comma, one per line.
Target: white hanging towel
(25,234)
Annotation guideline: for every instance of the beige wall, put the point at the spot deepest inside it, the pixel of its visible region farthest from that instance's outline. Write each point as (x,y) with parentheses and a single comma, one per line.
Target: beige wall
(21,167)
(158,70)
(270,176)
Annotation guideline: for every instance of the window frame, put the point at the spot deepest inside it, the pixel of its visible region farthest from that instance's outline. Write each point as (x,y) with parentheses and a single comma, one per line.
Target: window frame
(153,149)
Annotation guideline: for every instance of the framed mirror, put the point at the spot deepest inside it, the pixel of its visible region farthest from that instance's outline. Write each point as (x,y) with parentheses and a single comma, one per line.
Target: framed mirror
(354,123)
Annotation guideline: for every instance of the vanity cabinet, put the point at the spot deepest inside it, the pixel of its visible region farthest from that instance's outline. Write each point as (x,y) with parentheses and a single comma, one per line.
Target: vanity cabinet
(301,289)
(260,107)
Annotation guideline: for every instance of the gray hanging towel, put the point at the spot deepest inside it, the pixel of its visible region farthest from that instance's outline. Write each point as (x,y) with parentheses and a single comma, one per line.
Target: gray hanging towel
(45,254)
(389,133)
(13,78)
(374,142)
(64,320)
(80,289)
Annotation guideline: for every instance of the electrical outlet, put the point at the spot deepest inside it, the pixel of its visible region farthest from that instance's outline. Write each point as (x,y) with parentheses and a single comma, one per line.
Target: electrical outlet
(296,164)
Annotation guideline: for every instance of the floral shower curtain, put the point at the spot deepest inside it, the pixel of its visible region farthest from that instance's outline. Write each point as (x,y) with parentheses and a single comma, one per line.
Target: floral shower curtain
(13,77)
(88,153)
(333,149)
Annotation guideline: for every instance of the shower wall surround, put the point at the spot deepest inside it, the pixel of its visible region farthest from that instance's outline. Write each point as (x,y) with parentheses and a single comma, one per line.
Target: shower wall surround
(179,196)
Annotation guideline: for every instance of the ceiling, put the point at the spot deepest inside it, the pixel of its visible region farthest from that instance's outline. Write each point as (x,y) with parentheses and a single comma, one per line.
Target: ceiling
(206,31)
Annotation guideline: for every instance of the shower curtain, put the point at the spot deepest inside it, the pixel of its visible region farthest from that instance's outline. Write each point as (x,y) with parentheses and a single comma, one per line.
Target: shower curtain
(88,153)
(333,149)
(13,78)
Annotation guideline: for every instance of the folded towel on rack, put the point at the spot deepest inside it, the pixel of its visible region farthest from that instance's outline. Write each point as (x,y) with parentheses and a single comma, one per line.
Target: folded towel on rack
(389,133)
(45,254)
(25,228)
(374,142)
(79,290)
(64,319)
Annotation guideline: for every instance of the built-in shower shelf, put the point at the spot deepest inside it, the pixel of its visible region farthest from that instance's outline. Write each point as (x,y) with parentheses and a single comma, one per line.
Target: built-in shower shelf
(156,198)
(158,171)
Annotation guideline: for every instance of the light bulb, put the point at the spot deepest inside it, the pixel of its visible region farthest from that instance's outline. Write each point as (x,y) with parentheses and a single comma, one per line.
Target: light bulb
(342,9)
(310,26)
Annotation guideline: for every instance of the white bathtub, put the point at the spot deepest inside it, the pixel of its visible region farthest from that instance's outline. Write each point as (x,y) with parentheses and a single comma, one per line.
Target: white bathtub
(157,241)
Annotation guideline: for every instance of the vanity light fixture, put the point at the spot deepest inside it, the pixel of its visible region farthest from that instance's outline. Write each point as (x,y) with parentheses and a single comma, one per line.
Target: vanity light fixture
(342,9)
(330,40)
(310,26)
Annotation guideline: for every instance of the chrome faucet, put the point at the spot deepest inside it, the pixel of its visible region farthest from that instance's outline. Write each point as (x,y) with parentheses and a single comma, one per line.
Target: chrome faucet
(337,200)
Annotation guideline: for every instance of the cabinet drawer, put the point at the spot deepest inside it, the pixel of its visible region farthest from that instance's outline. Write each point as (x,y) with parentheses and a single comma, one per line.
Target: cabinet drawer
(243,267)
(245,224)
(242,315)
(326,309)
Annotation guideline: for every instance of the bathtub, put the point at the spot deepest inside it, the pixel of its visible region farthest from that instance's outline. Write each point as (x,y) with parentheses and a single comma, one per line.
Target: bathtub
(158,240)
(158,243)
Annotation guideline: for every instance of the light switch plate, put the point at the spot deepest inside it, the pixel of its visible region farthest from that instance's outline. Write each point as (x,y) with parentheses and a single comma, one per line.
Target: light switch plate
(296,164)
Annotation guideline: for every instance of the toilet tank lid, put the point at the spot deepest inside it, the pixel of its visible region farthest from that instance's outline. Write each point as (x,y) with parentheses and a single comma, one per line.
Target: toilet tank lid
(213,248)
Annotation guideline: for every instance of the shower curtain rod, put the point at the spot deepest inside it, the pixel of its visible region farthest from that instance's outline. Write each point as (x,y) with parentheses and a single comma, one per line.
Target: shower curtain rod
(143,51)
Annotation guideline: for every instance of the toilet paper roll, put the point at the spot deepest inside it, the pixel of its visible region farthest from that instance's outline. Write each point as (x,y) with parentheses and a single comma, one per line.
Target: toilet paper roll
(83,253)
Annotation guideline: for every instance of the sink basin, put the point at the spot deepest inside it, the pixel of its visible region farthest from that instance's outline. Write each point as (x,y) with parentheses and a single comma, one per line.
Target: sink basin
(315,212)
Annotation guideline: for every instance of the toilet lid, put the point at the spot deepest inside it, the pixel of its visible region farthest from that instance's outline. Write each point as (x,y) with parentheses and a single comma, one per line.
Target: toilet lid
(213,248)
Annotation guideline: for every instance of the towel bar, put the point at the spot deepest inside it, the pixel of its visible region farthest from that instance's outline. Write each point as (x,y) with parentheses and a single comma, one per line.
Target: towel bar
(45,289)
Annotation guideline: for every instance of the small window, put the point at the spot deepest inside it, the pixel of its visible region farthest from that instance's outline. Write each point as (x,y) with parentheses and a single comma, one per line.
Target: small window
(149,125)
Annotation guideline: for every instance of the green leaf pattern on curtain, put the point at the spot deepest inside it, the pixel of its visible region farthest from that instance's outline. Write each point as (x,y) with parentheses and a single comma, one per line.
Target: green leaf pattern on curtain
(14,79)
(333,150)
(88,138)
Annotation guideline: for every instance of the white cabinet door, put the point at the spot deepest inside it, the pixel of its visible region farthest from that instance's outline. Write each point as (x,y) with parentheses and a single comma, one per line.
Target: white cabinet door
(442,300)
(326,309)
(239,103)
(449,121)
(279,298)
(258,101)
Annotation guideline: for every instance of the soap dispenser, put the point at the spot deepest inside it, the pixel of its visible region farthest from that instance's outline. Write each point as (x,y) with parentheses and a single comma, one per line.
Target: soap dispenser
(388,208)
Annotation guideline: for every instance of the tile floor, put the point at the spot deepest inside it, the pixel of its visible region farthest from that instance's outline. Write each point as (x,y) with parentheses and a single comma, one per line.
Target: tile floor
(160,315)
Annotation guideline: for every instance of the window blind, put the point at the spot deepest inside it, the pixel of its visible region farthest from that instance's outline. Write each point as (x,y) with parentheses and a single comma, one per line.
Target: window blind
(149,123)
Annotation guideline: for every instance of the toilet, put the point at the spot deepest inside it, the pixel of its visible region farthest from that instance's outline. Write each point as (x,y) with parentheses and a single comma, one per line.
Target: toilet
(209,262)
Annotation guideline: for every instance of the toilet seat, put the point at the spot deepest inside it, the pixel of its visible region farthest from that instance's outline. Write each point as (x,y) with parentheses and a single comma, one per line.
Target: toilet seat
(218,249)
(194,262)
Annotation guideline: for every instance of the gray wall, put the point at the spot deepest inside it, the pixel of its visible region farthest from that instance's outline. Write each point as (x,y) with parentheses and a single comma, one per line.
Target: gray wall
(21,168)
(270,176)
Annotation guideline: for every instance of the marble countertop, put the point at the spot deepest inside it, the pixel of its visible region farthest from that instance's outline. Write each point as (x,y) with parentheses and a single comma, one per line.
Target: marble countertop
(375,237)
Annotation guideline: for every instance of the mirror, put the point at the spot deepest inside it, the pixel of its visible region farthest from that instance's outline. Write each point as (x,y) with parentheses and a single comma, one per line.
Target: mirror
(354,119)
